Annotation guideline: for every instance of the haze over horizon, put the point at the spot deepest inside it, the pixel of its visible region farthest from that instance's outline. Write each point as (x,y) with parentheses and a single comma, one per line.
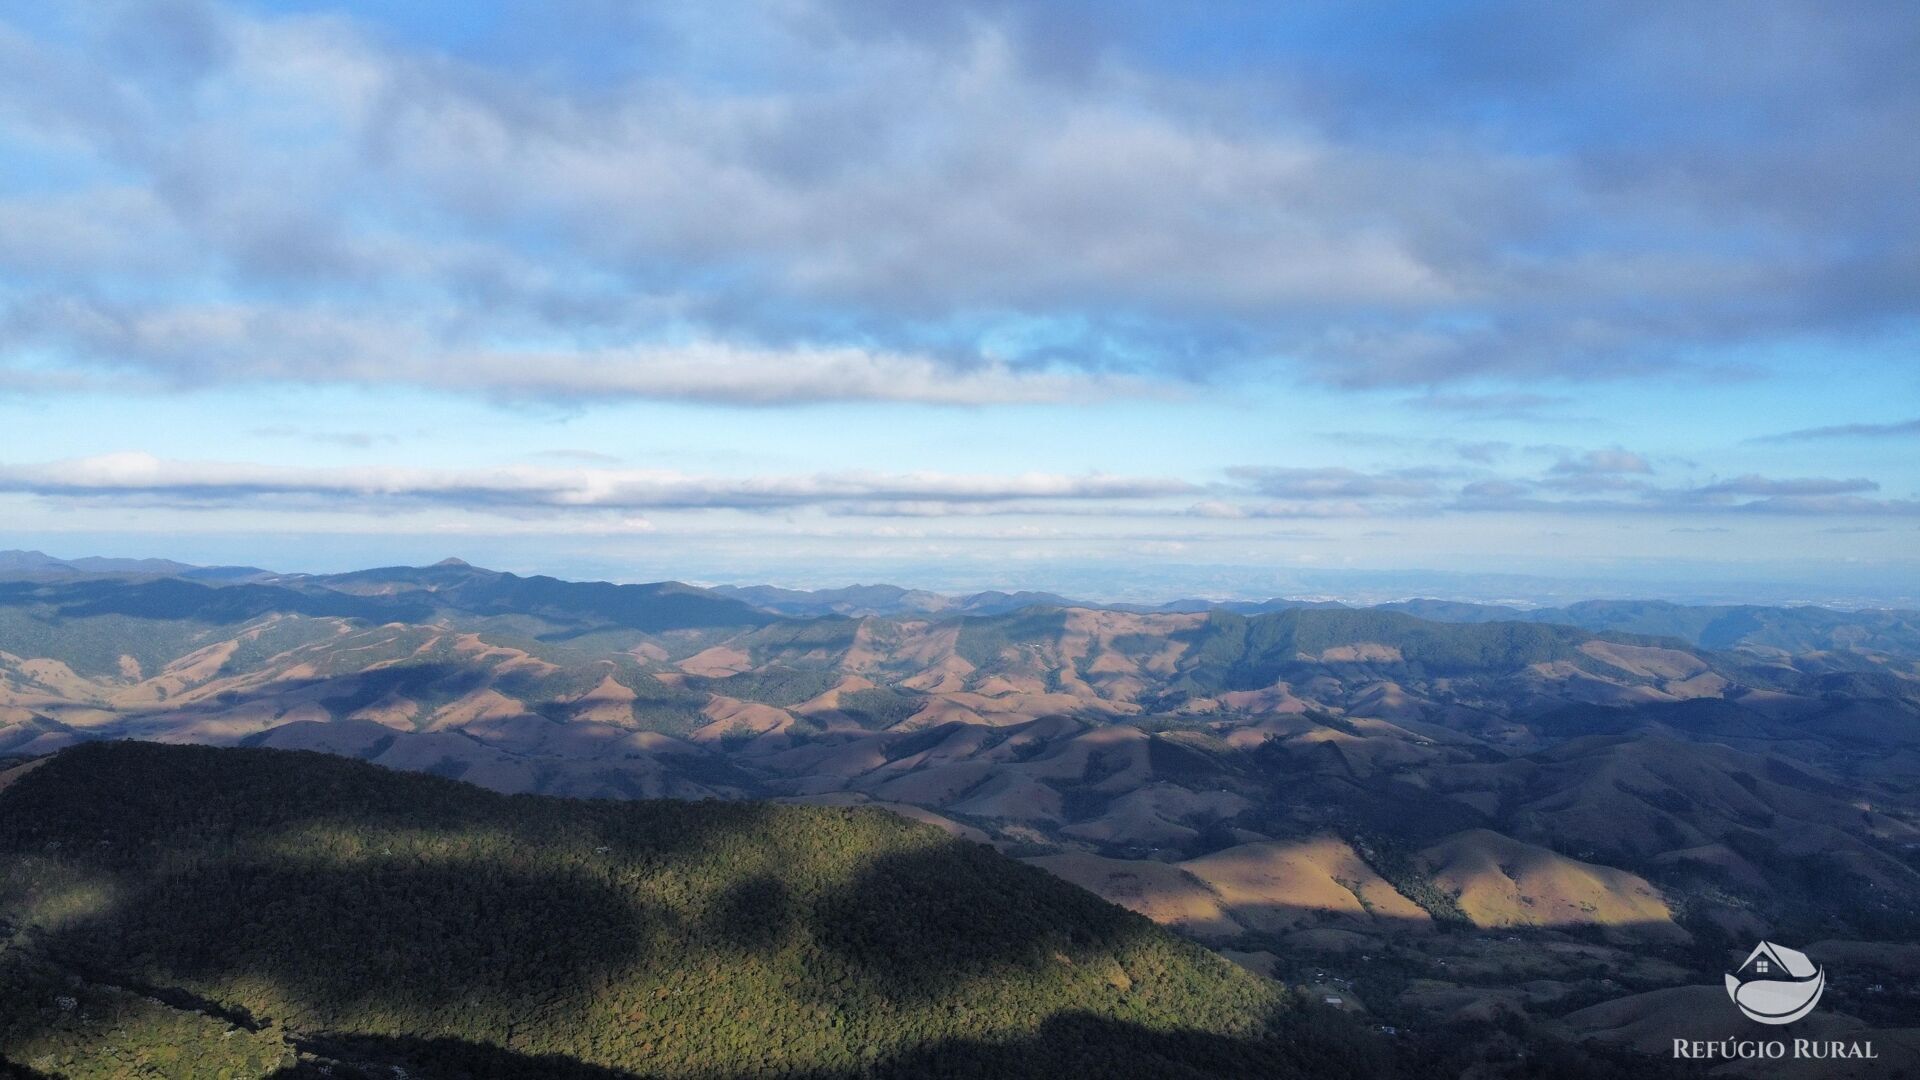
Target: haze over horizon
(1000,295)
(1095,583)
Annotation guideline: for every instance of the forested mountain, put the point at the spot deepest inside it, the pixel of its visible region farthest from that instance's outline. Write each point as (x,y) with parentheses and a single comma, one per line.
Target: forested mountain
(1752,627)
(1414,815)
(248,912)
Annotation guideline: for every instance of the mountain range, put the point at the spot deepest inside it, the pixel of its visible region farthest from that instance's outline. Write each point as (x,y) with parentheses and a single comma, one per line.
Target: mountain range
(1490,827)
(1794,629)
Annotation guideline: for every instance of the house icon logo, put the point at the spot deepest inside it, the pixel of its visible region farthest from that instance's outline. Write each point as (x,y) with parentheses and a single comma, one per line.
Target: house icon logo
(1776,985)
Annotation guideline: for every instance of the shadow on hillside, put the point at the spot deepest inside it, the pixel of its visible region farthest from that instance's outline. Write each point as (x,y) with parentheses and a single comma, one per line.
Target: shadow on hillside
(1011,911)
(357,892)
(500,931)
(346,889)
(353,1057)
(1065,1044)
(348,896)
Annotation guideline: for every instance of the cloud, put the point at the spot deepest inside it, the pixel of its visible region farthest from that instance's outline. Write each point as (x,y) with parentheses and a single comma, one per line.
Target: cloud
(190,346)
(143,478)
(1611,483)
(356,440)
(140,480)
(1004,202)
(1316,507)
(1830,506)
(584,457)
(1482,453)
(1500,406)
(990,507)
(1330,483)
(1902,429)
(1602,462)
(1597,471)
(1217,508)
(1792,487)
(1497,495)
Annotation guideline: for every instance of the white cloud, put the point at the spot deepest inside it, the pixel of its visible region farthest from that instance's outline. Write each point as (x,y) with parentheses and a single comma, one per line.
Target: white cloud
(134,477)
(231,343)
(1331,482)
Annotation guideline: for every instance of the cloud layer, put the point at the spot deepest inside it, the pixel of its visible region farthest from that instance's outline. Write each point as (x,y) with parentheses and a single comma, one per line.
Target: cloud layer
(954,204)
(1900,429)
(1240,493)
(138,476)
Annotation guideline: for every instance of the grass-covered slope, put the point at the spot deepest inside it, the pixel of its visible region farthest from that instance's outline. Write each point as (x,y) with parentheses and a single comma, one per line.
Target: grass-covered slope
(187,911)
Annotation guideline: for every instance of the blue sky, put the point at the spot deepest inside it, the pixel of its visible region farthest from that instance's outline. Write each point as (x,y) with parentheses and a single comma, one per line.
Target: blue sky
(1172,296)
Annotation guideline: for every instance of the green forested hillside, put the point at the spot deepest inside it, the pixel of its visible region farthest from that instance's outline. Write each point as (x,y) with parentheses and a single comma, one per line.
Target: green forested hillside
(1239,652)
(186,911)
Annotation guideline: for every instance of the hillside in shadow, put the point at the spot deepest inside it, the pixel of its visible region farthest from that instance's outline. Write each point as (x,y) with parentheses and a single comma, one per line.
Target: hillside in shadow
(1064,1042)
(284,907)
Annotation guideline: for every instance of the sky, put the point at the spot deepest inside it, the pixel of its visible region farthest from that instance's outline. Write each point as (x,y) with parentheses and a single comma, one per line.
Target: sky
(1136,298)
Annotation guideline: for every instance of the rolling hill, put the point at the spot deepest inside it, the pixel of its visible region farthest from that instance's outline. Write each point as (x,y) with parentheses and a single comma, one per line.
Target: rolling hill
(259,912)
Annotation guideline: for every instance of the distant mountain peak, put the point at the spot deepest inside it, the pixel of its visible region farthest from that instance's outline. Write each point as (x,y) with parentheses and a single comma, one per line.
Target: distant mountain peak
(18,558)
(453,560)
